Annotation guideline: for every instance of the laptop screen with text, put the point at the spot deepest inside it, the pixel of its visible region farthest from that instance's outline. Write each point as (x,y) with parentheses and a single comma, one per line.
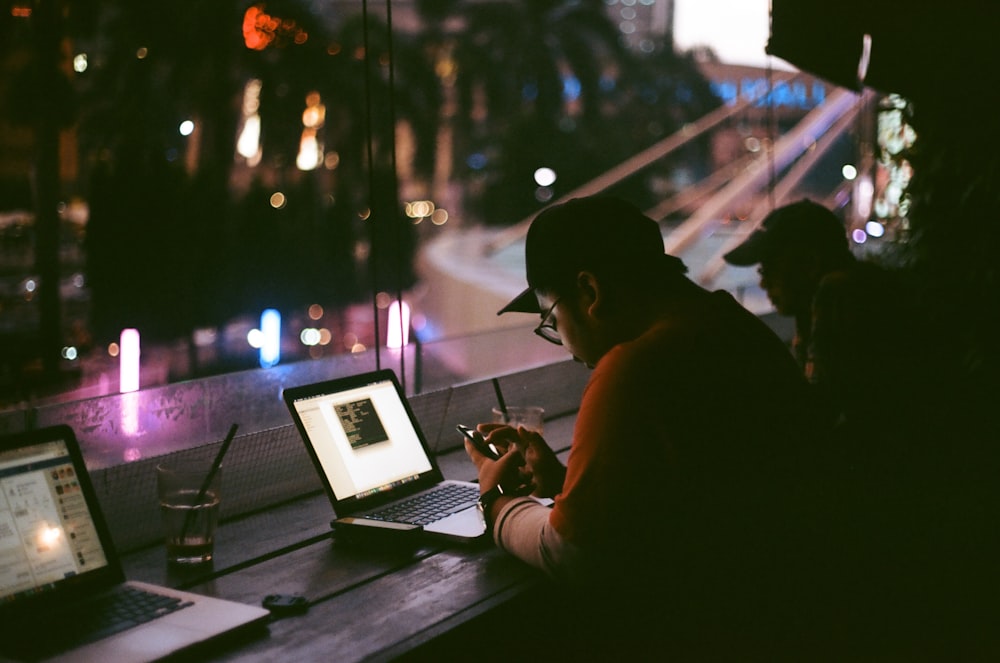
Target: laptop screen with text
(364,439)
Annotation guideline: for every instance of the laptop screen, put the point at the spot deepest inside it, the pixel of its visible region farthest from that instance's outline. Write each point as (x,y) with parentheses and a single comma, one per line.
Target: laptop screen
(363,438)
(47,531)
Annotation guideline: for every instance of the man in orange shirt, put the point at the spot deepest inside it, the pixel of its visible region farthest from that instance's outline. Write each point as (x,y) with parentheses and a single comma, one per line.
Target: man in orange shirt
(680,488)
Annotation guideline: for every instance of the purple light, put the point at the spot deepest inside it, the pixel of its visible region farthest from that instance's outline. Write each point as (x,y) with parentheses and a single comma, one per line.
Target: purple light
(129,361)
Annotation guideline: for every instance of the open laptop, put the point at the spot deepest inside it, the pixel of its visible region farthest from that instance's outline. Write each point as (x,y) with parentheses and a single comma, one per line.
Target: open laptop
(58,566)
(373,459)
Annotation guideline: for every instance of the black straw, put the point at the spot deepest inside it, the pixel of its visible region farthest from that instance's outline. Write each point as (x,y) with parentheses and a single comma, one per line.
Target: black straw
(500,400)
(216,464)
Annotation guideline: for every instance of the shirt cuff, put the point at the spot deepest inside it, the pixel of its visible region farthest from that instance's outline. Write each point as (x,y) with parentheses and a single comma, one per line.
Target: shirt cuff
(522,528)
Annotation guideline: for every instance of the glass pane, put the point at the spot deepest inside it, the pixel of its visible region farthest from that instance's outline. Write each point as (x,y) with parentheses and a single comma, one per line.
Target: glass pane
(248,186)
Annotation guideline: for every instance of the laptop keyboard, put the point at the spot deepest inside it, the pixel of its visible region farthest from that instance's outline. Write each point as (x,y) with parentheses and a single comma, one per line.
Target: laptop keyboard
(117,611)
(124,609)
(429,507)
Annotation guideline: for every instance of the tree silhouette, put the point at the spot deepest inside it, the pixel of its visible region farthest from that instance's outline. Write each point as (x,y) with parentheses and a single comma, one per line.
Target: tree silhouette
(154,235)
(550,84)
(364,99)
(171,247)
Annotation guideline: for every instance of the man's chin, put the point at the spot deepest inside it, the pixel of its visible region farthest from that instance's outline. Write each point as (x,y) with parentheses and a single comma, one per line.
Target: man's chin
(780,308)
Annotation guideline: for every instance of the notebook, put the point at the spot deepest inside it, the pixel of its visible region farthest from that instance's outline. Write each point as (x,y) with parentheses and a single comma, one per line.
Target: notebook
(58,565)
(373,459)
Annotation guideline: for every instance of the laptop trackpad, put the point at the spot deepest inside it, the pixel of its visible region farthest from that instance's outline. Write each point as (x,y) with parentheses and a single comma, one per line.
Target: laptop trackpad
(465,525)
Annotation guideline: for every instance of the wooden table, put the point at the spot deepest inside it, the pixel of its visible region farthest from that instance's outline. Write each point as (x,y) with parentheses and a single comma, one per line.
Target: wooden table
(365,603)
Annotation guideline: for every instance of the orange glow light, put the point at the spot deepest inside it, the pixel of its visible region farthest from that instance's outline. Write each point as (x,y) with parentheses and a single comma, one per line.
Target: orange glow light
(254,36)
(261,30)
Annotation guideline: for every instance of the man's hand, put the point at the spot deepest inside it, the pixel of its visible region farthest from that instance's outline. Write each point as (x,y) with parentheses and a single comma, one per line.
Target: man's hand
(540,464)
(505,470)
(540,469)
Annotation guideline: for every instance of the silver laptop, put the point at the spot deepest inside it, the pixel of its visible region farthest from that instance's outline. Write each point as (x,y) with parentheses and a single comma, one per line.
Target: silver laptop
(374,462)
(59,569)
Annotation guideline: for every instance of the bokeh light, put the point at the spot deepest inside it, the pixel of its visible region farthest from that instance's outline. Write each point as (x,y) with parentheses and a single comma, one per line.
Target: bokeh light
(129,361)
(545,176)
(270,327)
(874,229)
(309,336)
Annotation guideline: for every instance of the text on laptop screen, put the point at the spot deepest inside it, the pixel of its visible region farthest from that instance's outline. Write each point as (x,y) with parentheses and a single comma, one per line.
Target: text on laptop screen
(364,439)
(47,532)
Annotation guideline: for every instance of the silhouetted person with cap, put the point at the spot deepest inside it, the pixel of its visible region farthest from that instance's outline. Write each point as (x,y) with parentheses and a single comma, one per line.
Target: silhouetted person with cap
(857,326)
(898,510)
(675,510)
(796,247)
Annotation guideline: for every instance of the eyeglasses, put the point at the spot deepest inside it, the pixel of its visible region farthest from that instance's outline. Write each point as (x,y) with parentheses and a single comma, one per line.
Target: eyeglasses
(547,329)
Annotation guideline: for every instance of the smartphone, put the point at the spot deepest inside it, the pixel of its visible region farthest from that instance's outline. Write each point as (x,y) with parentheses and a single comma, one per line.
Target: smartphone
(478,441)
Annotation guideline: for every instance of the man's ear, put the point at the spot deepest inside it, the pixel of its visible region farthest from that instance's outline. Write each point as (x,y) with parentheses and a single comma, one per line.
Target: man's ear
(590,290)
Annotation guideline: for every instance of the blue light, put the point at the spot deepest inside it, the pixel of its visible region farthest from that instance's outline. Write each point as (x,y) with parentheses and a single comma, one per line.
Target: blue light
(818,93)
(789,96)
(476,161)
(571,88)
(727,91)
(784,93)
(270,327)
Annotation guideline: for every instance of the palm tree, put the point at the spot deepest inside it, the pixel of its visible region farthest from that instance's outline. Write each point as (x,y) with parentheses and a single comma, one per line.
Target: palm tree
(157,68)
(155,236)
(550,84)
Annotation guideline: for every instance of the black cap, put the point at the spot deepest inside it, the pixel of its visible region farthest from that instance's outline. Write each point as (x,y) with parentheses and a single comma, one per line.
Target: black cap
(802,225)
(596,233)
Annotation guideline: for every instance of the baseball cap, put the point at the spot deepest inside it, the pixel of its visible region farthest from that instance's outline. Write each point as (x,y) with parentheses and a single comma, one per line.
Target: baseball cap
(803,224)
(595,232)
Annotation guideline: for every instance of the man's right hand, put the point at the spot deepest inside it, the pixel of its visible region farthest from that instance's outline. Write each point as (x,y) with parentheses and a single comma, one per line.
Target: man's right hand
(542,468)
